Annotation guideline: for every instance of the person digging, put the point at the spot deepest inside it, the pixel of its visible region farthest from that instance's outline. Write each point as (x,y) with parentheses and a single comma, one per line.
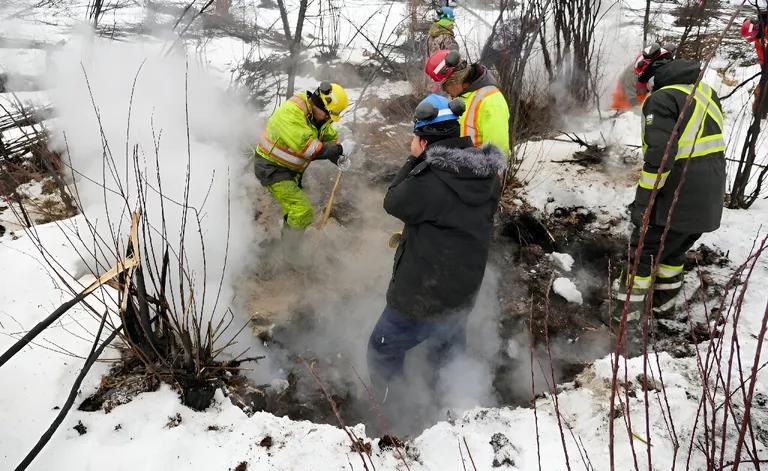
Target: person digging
(298,133)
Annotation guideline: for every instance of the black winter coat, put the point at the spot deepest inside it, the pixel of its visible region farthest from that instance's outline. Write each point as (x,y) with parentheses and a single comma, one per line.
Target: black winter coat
(447,198)
(700,204)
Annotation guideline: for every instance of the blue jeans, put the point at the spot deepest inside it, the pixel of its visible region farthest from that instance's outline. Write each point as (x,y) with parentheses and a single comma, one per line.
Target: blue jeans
(395,334)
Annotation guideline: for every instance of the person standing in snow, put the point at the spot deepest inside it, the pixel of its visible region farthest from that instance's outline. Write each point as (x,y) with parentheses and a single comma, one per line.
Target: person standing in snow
(446,194)
(441,34)
(699,146)
(755,30)
(299,132)
(486,120)
(632,85)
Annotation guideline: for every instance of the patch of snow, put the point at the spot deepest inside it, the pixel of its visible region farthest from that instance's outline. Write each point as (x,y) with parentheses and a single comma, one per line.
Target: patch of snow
(513,348)
(563,260)
(551,183)
(565,288)
(32,189)
(23,61)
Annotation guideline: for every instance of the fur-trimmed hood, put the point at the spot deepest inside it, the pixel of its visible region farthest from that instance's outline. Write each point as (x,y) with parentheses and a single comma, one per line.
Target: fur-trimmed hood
(482,162)
(470,172)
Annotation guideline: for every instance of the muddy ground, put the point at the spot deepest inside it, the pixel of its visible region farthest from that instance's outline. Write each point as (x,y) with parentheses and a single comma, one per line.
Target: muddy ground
(522,241)
(576,334)
(349,262)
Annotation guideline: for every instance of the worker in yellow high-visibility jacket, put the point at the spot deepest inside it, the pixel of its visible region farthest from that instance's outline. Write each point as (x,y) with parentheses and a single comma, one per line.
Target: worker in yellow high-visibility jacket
(486,120)
(299,132)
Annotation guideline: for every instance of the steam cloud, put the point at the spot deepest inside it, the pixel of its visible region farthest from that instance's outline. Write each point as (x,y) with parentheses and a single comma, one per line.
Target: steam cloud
(115,101)
(122,112)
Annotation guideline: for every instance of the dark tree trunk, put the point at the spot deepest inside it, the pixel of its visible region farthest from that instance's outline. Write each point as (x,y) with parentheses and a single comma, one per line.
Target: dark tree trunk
(646,18)
(294,41)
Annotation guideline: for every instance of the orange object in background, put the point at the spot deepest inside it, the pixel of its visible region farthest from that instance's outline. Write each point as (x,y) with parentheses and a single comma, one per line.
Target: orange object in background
(628,92)
(622,102)
(756,31)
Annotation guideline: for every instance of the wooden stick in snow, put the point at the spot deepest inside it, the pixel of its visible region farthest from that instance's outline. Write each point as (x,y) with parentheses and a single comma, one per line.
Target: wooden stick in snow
(120,267)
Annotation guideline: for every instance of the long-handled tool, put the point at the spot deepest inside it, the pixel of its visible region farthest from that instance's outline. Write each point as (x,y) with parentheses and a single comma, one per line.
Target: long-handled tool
(329,204)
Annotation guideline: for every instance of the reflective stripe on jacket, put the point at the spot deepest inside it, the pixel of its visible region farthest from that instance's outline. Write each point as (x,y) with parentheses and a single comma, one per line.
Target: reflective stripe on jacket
(698,149)
(695,140)
(486,119)
(291,139)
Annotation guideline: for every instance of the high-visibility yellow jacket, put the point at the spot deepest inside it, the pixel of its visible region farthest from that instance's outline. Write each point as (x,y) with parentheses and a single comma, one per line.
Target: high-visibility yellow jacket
(291,139)
(486,118)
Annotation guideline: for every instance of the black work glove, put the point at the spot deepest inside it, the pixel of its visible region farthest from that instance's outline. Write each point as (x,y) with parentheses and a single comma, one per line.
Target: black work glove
(331,152)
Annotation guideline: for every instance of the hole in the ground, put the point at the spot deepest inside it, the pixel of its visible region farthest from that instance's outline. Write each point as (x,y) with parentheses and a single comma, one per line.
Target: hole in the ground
(576,333)
(529,315)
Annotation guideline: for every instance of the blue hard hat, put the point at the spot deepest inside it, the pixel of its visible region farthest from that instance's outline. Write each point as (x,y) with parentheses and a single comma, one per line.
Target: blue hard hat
(446,12)
(435,109)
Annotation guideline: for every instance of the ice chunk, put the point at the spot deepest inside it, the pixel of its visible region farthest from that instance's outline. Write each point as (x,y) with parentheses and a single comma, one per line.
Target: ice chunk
(565,288)
(562,260)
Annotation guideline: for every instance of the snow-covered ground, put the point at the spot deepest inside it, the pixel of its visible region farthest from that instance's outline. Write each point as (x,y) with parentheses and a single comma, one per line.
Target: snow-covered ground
(155,431)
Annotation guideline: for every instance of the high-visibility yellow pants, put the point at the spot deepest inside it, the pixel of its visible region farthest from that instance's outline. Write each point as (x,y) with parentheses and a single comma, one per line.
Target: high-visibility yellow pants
(294,202)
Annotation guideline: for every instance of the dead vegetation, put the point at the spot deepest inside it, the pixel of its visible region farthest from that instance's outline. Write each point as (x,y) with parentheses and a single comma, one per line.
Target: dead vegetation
(26,161)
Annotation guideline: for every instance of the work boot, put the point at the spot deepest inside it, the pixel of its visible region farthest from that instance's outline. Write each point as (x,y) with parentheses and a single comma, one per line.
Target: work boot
(634,339)
(664,303)
(665,295)
(634,310)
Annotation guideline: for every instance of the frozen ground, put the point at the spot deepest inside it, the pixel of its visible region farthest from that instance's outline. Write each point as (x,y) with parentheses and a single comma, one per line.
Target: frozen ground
(147,434)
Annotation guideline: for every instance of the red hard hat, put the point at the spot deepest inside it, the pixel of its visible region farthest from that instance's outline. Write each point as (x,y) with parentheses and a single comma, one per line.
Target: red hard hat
(442,64)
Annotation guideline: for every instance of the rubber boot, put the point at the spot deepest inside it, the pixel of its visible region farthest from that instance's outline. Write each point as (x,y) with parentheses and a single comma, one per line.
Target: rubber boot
(635,311)
(636,304)
(665,296)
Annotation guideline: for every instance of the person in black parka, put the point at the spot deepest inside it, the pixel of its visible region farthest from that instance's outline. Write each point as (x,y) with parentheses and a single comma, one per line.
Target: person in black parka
(699,146)
(446,194)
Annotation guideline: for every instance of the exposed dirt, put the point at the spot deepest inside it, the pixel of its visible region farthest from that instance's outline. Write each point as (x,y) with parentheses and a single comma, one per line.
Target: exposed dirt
(34,182)
(390,441)
(80,428)
(125,380)
(575,334)
(266,442)
(521,246)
